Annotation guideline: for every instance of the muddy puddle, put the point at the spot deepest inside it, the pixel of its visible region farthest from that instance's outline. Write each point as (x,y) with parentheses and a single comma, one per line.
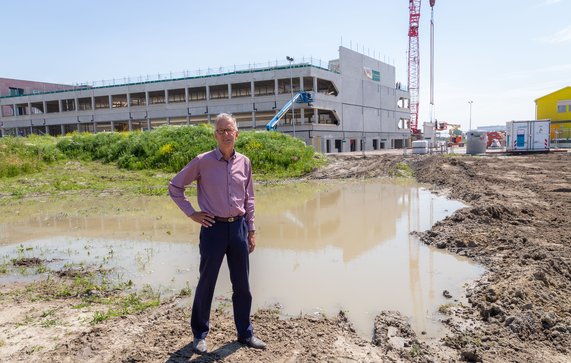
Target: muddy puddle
(322,248)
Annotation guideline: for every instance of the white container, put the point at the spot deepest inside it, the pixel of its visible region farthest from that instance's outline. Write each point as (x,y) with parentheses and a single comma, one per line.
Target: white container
(528,135)
(420,147)
(476,142)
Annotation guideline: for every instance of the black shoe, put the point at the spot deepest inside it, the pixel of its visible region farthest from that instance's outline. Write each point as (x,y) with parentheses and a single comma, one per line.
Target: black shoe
(253,342)
(199,346)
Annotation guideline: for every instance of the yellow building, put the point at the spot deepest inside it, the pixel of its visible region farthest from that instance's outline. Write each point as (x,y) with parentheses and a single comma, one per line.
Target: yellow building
(556,106)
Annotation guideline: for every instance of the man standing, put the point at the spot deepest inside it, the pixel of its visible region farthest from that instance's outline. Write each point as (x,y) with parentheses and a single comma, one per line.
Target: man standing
(225,194)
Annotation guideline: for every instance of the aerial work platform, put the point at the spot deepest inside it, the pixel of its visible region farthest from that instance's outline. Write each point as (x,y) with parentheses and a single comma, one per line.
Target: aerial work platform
(300,97)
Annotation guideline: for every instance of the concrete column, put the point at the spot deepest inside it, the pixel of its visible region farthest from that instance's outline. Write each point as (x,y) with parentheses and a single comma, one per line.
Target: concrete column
(252,89)
(166,97)
(148,123)
(186,100)
(207,93)
(46,131)
(315,84)
(168,120)
(2,133)
(62,129)
(112,126)
(93,103)
(229,91)
(130,123)
(301,116)
(276,88)
(147,100)
(187,120)
(110,102)
(315,116)
(254,119)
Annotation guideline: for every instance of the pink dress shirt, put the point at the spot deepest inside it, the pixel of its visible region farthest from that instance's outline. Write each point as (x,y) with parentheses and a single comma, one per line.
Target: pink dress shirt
(224,188)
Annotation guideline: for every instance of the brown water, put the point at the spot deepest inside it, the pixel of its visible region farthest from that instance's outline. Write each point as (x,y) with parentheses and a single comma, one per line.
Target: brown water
(321,248)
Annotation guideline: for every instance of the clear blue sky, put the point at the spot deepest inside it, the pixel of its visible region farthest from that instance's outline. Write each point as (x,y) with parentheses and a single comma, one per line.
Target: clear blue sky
(501,54)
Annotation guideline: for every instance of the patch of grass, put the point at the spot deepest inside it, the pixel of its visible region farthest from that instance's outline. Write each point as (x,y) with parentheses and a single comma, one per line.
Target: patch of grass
(47,313)
(415,350)
(403,170)
(33,349)
(185,291)
(81,305)
(49,323)
(27,320)
(126,305)
(445,309)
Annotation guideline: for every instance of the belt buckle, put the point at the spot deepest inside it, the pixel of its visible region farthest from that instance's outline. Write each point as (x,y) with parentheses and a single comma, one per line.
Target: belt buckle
(231,219)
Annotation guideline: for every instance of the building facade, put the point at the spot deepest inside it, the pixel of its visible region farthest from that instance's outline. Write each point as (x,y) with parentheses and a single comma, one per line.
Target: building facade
(556,106)
(357,103)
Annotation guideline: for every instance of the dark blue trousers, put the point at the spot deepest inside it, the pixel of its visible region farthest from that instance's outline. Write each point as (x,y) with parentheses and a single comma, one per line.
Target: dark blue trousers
(230,240)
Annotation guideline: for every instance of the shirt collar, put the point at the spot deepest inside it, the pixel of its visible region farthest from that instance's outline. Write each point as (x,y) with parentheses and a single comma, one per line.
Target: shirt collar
(219,155)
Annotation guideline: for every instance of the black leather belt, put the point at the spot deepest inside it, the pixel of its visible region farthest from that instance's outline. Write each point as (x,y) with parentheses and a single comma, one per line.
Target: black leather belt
(227,220)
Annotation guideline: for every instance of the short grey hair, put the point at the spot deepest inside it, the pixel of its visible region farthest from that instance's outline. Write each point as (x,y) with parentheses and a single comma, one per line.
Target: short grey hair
(226,116)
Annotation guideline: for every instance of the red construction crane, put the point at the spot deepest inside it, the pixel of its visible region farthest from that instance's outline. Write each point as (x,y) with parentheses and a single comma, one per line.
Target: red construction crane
(414,62)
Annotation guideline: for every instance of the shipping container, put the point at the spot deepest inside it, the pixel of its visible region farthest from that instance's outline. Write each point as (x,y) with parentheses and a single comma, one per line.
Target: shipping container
(528,135)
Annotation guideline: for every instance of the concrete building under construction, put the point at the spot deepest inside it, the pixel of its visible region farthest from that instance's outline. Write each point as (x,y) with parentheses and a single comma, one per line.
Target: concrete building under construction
(357,103)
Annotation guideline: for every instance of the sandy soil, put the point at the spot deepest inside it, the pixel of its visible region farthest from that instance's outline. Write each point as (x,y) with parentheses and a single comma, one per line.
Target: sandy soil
(517,224)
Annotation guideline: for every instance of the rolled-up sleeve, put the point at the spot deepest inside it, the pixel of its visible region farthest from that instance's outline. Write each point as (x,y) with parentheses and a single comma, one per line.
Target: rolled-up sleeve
(249,199)
(178,184)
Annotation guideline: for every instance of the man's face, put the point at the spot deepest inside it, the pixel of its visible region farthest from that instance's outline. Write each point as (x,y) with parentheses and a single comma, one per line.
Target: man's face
(225,133)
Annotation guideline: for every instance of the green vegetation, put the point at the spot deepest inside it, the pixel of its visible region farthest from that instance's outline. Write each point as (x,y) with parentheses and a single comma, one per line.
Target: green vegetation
(445,309)
(91,289)
(129,304)
(415,350)
(27,155)
(403,170)
(135,162)
(185,291)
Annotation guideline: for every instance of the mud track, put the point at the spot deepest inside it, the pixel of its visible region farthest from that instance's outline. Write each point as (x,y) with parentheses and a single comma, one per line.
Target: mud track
(517,224)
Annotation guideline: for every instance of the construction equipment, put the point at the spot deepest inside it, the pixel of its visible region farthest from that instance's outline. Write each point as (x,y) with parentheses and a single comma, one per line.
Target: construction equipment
(300,97)
(455,134)
(414,62)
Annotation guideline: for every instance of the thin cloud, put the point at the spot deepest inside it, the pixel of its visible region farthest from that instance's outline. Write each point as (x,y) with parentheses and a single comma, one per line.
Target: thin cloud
(549,2)
(561,36)
(555,68)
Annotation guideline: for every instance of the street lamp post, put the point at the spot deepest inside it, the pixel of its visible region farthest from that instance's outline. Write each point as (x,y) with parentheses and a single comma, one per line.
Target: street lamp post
(290,60)
(470,125)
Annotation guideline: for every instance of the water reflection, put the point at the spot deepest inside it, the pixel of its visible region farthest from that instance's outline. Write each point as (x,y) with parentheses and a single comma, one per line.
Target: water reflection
(343,246)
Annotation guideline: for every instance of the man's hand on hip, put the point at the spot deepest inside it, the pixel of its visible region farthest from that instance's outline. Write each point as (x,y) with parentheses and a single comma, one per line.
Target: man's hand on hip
(203,218)
(251,241)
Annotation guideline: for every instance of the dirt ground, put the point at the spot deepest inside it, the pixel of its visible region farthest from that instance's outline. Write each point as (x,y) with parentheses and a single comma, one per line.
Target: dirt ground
(517,224)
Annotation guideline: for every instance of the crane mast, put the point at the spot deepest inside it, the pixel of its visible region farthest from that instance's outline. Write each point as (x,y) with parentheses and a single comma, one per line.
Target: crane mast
(414,62)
